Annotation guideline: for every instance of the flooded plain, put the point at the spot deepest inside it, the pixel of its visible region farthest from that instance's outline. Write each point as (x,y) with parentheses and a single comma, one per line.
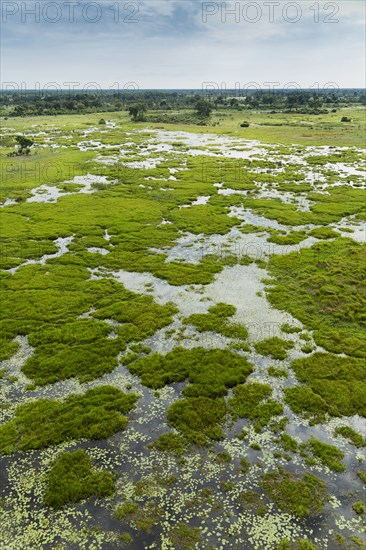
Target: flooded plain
(187,221)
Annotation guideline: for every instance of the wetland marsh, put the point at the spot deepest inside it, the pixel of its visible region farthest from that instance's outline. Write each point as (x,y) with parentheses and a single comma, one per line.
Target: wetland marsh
(183,333)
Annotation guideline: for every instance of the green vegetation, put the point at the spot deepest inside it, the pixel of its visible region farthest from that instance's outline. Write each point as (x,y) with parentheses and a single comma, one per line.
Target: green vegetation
(288,443)
(184,537)
(353,437)
(277,373)
(97,414)
(335,385)
(299,495)
(169,443)
(323,233)
(210,372)
(327,455)
(362,475)
(244,465)
(274,347)
(290,329)
(217,320)
(198,418)
(359,507)
(325,283)
(72,478)
(252,401)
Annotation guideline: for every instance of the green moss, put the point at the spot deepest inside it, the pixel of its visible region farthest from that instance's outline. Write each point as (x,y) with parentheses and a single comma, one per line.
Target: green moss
(252,401)
(97,414)
(72,478)
(274,347)
(299,495)
(223,457)
(353,437)
(294,237)
(217,320)
(125,509)
(303,401)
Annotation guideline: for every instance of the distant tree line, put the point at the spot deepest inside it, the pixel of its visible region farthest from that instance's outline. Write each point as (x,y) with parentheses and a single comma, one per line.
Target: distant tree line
(34,103)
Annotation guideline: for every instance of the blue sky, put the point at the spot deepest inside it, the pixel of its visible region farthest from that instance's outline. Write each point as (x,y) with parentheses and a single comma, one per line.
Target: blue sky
(183,43)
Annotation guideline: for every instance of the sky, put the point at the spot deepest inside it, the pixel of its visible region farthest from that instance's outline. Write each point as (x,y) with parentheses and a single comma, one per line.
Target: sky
(182,44)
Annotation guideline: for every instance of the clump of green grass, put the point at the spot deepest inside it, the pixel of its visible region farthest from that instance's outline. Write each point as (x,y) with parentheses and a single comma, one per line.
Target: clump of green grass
(244,465)
(288,443)
(335,385)
(294,237)
(97,414)
(199,419)
(223,457)
(302,496)
(362,475)
(326,454)
(125,509)
(274,347)
(359,507)
(72,478)
(217,320)
(323,233)
(185,537)
(210,372)
(277,373)
(252,401)
(169,443)
(326,287)
(353,437)
(290,329)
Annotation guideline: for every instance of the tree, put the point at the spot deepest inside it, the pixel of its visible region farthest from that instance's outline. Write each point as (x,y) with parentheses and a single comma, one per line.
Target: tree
(24,144)
(137,112)
(203,108)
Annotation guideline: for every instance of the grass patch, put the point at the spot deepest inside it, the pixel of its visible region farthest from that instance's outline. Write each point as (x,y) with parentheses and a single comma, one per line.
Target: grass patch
(252,401)
(97,414)
(277,373)
(328,455)
(353,437)
(335,385)
(274,347)
(217,320)
(198,418)
(210,372)
(326,287)
(302,496)
(72,478)
(169,443)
